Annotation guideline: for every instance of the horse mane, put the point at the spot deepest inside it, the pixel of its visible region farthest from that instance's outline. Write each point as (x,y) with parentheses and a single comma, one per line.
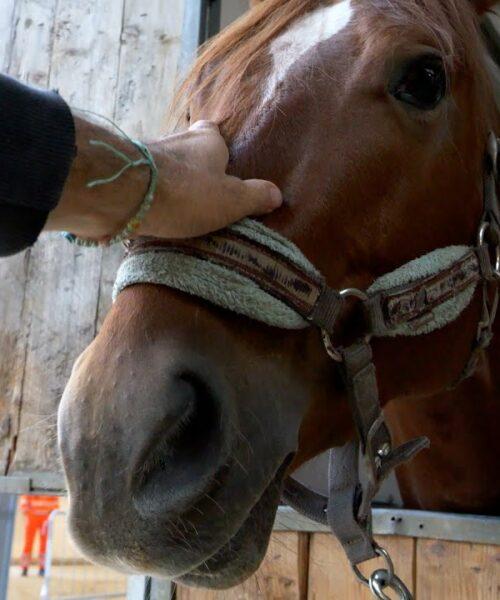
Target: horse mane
(229,56)
(227,75)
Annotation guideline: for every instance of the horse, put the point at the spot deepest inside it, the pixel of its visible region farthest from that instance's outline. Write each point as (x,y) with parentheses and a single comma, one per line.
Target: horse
(181,420)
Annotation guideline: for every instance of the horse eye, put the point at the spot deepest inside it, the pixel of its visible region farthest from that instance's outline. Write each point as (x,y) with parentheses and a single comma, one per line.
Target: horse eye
(423,83)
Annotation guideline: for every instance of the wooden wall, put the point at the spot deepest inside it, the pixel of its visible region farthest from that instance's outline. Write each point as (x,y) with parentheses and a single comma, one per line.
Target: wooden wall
(116,57)
(300,566)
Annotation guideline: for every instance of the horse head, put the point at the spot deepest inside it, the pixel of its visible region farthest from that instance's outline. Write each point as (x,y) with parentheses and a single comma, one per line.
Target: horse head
(181,420)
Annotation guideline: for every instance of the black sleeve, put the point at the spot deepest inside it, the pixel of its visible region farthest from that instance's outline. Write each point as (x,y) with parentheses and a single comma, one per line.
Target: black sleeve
(37,147)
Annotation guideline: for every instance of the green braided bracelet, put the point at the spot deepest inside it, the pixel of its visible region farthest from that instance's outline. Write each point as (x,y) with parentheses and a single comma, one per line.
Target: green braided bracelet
(138,218)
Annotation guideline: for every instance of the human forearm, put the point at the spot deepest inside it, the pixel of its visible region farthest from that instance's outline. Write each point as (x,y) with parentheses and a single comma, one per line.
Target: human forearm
(47,160)
(101,211)
(193,195)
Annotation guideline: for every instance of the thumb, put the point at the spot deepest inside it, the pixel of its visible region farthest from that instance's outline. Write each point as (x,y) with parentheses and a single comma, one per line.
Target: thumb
(251,197)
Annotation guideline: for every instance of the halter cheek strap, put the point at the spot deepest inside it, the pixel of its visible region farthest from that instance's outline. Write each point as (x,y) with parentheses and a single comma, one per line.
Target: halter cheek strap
(251,270)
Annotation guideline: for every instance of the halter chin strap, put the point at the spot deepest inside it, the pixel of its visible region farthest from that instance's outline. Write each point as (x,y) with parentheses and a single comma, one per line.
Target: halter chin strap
(254,271)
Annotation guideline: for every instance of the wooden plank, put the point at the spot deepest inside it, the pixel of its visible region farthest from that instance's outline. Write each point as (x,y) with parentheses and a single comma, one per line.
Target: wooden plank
(457,570)
(282,576)
(148,66)
(62,291)
(150,51)
(6,33)
(13,278)
(47,322)
(31,27)
(13,273)
(31,50)
(330,575)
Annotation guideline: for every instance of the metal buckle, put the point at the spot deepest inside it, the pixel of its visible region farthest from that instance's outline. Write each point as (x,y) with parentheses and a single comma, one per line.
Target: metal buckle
(335,352)
(485,227)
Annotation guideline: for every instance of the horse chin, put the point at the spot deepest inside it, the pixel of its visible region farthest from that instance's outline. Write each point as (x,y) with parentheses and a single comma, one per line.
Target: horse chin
(242,555)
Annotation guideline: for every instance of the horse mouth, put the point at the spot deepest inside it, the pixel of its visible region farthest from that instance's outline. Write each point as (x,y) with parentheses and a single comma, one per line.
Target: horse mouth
(241,555)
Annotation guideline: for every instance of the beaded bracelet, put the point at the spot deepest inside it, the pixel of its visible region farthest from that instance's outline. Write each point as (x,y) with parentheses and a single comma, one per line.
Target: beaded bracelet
(134,223)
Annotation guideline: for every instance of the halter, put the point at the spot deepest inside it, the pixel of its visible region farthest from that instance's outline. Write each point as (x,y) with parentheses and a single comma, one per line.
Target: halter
(252,270)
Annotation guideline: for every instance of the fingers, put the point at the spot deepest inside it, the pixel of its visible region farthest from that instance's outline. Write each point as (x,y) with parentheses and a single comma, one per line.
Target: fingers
(240,199)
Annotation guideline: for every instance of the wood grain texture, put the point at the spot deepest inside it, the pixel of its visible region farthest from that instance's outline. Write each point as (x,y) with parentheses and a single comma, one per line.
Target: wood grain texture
(31,23)
(63,281)
(149,54)
(457,571)
(117,58)
(13,278)
(330,575)
(282,576)
(6,32)
(148,67)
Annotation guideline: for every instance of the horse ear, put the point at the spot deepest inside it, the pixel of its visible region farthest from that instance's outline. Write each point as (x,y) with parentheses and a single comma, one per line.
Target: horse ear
(482,6)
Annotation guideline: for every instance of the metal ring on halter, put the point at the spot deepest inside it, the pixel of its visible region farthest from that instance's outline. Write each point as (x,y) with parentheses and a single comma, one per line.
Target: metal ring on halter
(485,226)
(378,582)
(354,293)
(333,352)
(389,570)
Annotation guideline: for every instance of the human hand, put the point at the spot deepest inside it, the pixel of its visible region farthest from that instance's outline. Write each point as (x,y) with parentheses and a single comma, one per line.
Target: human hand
(195,195)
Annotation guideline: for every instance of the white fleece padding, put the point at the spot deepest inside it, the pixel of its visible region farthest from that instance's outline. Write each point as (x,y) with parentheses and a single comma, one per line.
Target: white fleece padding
(217,284)
(232,291)
(422,267)
(254,230)
(209,281)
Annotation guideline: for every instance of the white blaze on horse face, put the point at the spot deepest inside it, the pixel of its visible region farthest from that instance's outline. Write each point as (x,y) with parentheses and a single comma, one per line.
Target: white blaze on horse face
(315,27)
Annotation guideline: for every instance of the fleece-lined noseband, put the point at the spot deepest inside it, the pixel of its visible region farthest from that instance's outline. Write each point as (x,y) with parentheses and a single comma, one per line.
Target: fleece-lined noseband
(251,270)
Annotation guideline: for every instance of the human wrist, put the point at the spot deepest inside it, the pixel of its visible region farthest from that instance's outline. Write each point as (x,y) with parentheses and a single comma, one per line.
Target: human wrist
(94,213)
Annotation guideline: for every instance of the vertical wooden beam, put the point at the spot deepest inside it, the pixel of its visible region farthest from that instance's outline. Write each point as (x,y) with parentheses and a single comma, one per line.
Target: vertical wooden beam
(26,30)
(120,61)
(457,570)
(80,58)
(151,43)
(330,575)
(282,575)
(149,58)
(6,32)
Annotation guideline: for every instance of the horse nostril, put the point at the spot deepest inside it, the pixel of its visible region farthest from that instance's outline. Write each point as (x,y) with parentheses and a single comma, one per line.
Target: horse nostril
(197,427)
(186,452)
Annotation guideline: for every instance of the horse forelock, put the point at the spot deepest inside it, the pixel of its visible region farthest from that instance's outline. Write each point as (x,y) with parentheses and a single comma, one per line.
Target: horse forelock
(244,65)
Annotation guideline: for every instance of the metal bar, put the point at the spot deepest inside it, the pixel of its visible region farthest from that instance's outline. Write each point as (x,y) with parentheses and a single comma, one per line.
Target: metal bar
(33,483)
(201,21)
(410,523)
(436,525)
(8,505)
(14,485)
(386,521)
(161,589)
(190,40)
(91,597)
(213,18)
(137,586)
(45,591)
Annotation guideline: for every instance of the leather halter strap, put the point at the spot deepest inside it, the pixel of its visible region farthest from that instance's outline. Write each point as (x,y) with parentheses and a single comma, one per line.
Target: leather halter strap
(304,292)
(348,508)
(310,296)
